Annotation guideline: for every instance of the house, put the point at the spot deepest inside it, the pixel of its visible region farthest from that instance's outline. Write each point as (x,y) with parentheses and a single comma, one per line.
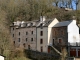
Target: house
(33,35)
(24,34)
(1,57)
(66,35)
(44,33)
(47,37)
(78,6)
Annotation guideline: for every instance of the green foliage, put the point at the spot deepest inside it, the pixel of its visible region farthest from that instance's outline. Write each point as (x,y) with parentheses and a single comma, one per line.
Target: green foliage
(13,10)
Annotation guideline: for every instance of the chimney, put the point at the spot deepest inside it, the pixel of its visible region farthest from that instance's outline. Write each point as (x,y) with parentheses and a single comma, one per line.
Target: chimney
(42,18)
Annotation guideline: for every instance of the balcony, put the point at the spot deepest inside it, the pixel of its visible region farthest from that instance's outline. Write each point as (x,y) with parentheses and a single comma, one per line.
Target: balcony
(67,44)
(60,44)
(76,44)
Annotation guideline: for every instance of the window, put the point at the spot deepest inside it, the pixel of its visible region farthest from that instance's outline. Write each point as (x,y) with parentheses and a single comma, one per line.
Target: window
(13,28)
(26,24)
(41,33)
(26,39)
(62,32)
(41,41)
(26,33)
(18,39)
(41,49)
(14,42)
(19,33)
(32,32)
(24,44)
(53,41)
(28,46)
(31,24)
(31,39)
(13,35)
(60,40)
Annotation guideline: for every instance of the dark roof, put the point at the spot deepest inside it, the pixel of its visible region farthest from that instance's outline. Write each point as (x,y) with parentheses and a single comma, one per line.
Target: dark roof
(35,23)
(64,23)
(45,23)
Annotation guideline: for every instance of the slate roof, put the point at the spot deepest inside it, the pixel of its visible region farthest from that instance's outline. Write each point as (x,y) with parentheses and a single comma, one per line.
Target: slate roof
(64,23)
(45,23)
(35,23)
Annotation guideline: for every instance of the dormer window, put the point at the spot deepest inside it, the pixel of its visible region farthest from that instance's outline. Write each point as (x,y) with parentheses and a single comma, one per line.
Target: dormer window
(41,24)
(31,24)
(26,24)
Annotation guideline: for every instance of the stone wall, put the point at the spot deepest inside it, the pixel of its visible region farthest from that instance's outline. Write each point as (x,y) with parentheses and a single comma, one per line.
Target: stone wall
(41,55)
(60,33)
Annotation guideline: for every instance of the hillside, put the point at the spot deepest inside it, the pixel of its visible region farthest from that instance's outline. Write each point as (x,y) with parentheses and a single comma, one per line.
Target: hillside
(11,11)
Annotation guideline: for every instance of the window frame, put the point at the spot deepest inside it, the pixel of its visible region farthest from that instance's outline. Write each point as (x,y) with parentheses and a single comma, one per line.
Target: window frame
(24,44)
(26,33)
(31,32)
(59,39)
(32,39)
(41,41)
(19,33)
(18,39)
(52,41)
(41,33)
(13,35)
(26,39)
(13,28)
(41,48)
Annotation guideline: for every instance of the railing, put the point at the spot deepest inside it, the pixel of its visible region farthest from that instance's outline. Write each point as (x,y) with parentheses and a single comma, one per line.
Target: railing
(60,44)
(70,58)
(67,44)
(74,44)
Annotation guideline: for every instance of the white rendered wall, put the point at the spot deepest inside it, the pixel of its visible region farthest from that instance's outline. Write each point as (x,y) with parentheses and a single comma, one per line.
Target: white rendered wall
(73,32)
(44,37)
(1,58)
(55,21)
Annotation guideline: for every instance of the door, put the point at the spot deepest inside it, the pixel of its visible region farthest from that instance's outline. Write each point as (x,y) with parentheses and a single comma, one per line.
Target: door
(72,52)
(78,52)
(48,49)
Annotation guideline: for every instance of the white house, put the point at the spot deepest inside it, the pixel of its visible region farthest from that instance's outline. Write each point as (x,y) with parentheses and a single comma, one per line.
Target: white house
(44,34)
(1,57)
(66,33)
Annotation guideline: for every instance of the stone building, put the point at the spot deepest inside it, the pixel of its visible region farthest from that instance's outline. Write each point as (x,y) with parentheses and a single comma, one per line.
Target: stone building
(47,37)
(66,35)
(33,35)
(24,34)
